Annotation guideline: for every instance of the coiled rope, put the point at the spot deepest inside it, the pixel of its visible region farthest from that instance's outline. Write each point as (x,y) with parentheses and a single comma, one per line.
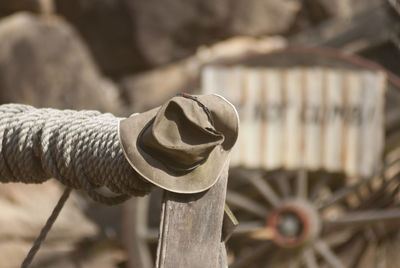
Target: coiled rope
(79,148)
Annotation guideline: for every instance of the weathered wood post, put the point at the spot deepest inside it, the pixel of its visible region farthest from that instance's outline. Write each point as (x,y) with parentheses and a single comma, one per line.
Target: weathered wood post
(190,228)
(184,148)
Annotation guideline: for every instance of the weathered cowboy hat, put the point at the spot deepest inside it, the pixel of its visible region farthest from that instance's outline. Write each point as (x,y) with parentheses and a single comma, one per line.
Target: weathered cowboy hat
(183,145)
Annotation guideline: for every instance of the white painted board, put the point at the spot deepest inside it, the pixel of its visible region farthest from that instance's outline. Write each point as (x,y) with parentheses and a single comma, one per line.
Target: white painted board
(315,118)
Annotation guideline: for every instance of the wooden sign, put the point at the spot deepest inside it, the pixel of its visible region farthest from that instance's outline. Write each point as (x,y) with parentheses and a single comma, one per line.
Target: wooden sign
(316,118)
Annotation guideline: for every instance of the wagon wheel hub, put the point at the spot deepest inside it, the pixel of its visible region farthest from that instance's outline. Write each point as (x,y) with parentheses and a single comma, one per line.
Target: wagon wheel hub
(294,224)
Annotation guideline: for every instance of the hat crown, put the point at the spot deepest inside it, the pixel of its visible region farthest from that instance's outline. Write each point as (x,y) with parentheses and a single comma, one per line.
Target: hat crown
(160,145)
(181,135)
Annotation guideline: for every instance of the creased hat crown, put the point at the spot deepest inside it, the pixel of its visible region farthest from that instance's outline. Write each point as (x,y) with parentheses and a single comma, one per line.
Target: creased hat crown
(181,136)
(183,145)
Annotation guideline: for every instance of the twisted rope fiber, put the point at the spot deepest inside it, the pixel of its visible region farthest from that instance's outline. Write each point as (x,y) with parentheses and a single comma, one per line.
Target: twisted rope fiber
(79,148)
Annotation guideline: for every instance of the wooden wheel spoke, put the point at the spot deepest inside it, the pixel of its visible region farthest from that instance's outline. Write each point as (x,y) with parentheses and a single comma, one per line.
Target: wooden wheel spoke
(283,185)
(264,189)
(340,194)
(393,157)
(328,255)
(151,235)
(237,200)
(248,258)
(302,184)
(318,186)
(309,258)
(392,171)
(338,236)
(360,253)
(363,217)
(249,227)
(142,235)
(293,262)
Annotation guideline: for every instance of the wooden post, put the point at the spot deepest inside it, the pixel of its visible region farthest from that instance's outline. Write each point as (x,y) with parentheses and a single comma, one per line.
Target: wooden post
(190,228)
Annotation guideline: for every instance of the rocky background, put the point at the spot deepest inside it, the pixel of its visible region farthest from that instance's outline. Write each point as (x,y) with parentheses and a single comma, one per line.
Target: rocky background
(125,56)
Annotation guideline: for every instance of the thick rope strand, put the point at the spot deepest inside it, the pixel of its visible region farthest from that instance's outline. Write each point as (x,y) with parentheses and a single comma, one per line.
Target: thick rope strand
(81,149)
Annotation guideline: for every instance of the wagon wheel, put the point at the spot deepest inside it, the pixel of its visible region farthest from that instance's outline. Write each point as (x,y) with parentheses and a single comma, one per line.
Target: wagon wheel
(297,219)
(318,219)
(302,219)
(294,218)
(141,220)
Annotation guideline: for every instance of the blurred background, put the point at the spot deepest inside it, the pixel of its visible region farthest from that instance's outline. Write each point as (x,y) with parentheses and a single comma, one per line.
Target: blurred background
(126,56)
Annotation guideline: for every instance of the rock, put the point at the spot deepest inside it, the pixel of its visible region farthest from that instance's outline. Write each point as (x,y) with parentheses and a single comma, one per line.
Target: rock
(315,12)
(134,35)
(172,29)
(311,13)
(25,209)
(44,63)
(181,26)
(150,89)
(107,27)
(9,7)
(238,47)
(263,17)
(348,8)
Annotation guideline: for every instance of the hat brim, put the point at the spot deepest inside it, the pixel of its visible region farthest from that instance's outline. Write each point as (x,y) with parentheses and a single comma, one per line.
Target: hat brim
(197,180)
